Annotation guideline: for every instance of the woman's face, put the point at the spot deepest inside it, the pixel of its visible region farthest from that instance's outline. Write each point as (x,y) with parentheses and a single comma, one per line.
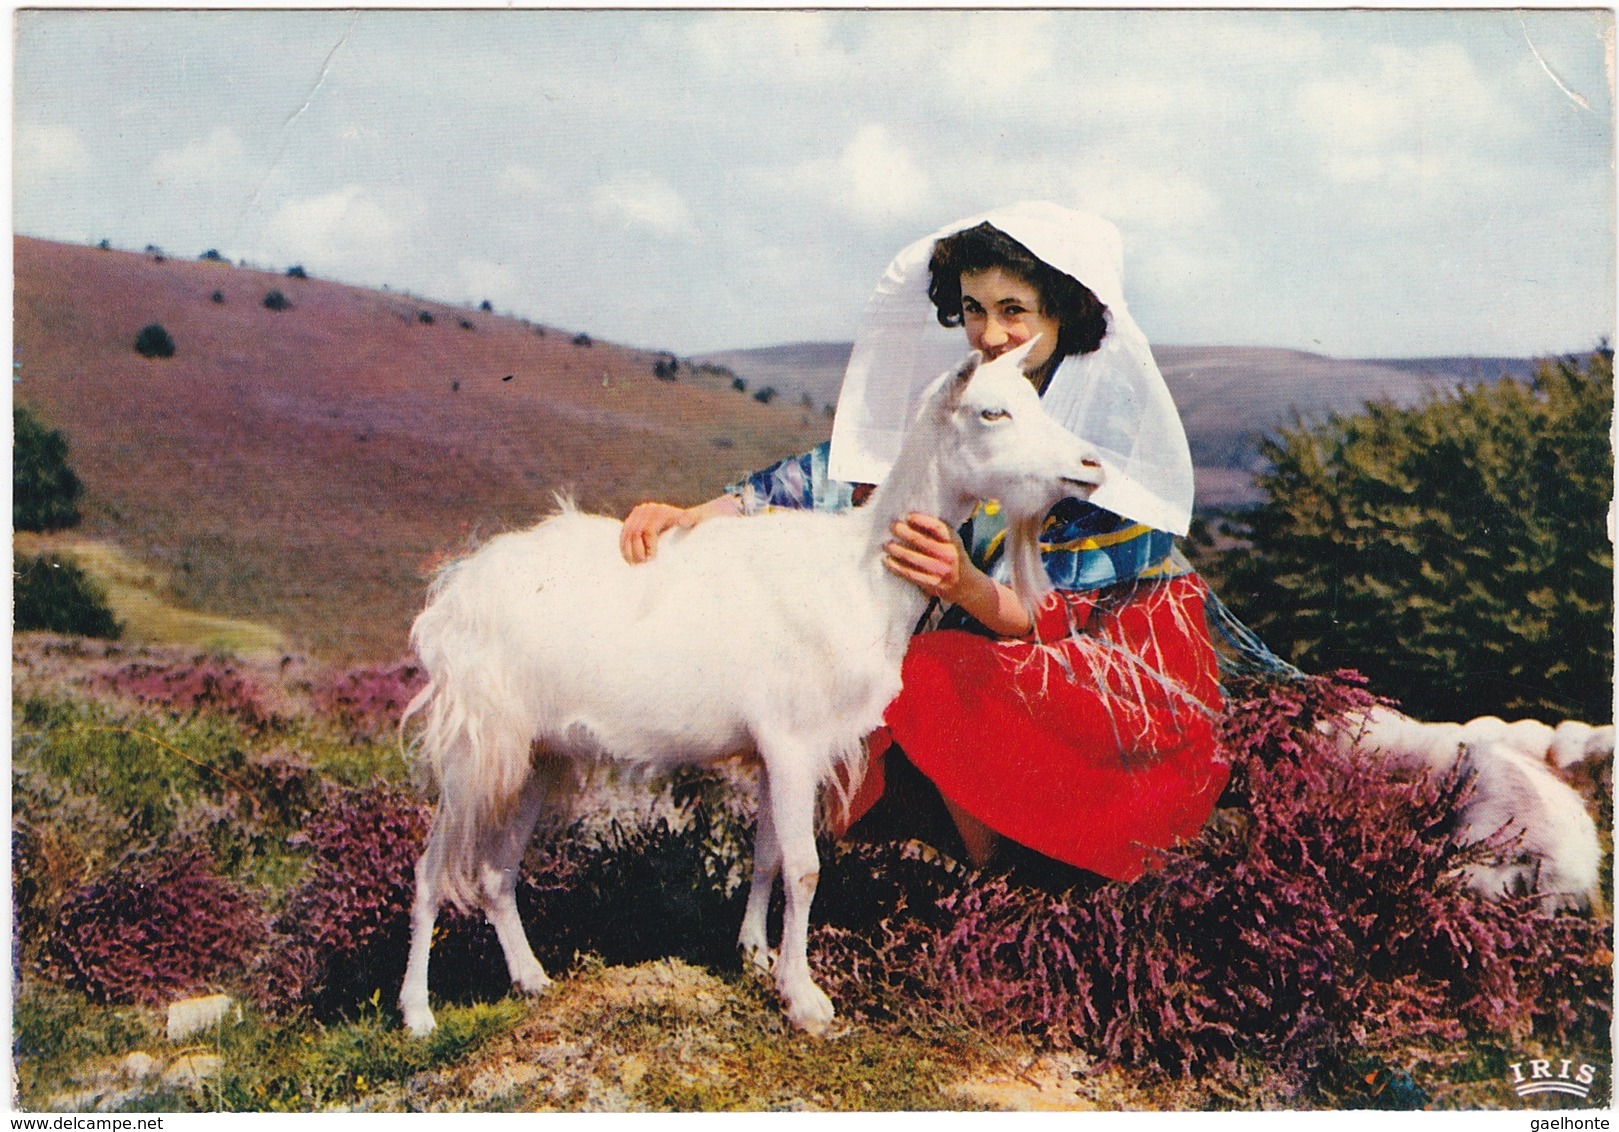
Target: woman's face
(1000,312)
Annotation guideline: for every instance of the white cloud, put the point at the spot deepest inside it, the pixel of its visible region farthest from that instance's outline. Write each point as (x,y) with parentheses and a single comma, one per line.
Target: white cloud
(204,163)
(769,46)
(873,180)
(640,200)
(351,233)
(47,151)
(1136,193)
(1409,115)
(881,178)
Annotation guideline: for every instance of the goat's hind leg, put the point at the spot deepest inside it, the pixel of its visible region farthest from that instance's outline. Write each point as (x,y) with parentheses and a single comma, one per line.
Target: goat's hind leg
(413,1002)
(501,862)
(754,941)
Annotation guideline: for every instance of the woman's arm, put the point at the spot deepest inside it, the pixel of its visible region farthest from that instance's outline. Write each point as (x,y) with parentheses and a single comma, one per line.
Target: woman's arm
(646,522)
(926,552)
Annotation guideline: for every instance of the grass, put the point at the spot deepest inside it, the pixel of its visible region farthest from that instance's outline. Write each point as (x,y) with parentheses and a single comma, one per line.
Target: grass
(137,595)
(66,1045)
(96,778)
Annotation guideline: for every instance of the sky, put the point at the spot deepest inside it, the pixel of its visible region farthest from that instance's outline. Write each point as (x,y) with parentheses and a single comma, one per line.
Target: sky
(1352,183)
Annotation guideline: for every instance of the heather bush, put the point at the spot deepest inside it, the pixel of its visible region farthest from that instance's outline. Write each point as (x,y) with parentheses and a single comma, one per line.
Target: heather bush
(369,701)
(160,924)
(338,939)
(203,684)
(1322,912)
(52,592)
(44,489)
(344,933)
(93,788)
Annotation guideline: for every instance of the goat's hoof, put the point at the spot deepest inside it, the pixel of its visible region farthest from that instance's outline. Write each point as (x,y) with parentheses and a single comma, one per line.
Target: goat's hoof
(420,1022)
(533,982)
(757,959)
(811,1011)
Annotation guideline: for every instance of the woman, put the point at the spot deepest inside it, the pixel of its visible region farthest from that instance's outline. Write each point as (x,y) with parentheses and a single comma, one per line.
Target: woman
(1083,730)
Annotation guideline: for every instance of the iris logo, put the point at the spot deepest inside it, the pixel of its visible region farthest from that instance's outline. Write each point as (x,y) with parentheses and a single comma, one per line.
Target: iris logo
(1542,1079)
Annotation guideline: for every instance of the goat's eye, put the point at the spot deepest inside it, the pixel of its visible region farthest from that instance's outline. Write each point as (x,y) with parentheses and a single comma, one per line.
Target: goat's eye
(995,415)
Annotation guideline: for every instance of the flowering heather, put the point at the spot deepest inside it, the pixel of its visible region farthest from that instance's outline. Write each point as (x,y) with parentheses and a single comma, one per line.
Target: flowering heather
(159,924)
(369,701)
(1324,915)
(203,684)
(354,904)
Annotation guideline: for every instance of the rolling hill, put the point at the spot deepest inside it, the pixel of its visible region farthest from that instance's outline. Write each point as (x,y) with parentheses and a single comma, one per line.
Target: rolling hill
(306,467)
(1228,395)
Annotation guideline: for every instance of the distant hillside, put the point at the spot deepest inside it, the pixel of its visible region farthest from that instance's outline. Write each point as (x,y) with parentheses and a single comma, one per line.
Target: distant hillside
(1228,395)
(304,467)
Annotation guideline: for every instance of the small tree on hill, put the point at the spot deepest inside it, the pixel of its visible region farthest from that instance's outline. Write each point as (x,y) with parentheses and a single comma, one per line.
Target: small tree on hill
(1456,553)
(44,490)
(53,593)
(154,342)
(276,301)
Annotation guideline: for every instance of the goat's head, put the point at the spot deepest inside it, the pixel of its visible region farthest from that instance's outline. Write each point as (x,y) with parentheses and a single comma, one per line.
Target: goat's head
(1002,444)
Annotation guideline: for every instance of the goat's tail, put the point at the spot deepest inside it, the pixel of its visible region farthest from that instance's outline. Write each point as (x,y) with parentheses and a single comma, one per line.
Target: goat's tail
(475,742)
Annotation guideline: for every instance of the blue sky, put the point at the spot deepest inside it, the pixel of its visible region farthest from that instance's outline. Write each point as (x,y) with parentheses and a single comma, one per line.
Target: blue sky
(1350,183)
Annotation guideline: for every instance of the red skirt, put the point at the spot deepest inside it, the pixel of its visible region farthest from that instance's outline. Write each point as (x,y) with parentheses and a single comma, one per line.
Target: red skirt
(1092,741)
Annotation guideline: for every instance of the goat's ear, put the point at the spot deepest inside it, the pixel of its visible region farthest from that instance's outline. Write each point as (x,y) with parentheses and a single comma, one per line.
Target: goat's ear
(959,380)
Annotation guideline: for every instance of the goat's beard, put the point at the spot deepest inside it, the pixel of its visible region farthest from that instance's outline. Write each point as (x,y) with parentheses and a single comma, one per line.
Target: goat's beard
(1029,579)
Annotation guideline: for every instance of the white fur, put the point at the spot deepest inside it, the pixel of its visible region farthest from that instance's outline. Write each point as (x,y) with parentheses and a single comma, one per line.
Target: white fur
(1514,792)
(780,634)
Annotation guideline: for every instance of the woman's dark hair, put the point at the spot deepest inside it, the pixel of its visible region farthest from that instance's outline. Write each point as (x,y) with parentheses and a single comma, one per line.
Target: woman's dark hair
(1080,314)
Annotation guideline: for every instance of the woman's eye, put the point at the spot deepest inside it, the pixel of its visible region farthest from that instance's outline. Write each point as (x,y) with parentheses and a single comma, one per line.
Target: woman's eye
(995,415)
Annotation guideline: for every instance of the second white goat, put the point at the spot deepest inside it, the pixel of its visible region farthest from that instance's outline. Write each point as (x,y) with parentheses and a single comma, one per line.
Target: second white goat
(1515,791)
(780,634)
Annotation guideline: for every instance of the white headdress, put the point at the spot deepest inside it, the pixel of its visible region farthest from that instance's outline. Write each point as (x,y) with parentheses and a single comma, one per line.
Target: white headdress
(1114,397)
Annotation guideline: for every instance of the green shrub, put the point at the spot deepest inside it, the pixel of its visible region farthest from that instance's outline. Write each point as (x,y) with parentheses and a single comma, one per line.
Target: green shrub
(52,592)
(154,342)
(44,491)
(1456,552)
(276,301)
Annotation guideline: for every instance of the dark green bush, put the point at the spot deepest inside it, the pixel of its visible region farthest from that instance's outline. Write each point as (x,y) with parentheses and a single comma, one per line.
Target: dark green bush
(154,342)
(52,592)
(276,301)
(1456,552)
(44,491)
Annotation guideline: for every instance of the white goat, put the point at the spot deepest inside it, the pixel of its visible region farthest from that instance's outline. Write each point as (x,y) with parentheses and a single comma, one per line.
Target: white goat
(1514,790)
(780,634)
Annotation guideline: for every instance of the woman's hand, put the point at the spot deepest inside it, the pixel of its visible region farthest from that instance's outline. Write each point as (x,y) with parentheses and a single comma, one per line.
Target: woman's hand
(928,553)
(646,522)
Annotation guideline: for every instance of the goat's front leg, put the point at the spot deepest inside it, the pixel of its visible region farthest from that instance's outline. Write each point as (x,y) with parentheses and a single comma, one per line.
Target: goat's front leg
(792,811)
(754,941)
